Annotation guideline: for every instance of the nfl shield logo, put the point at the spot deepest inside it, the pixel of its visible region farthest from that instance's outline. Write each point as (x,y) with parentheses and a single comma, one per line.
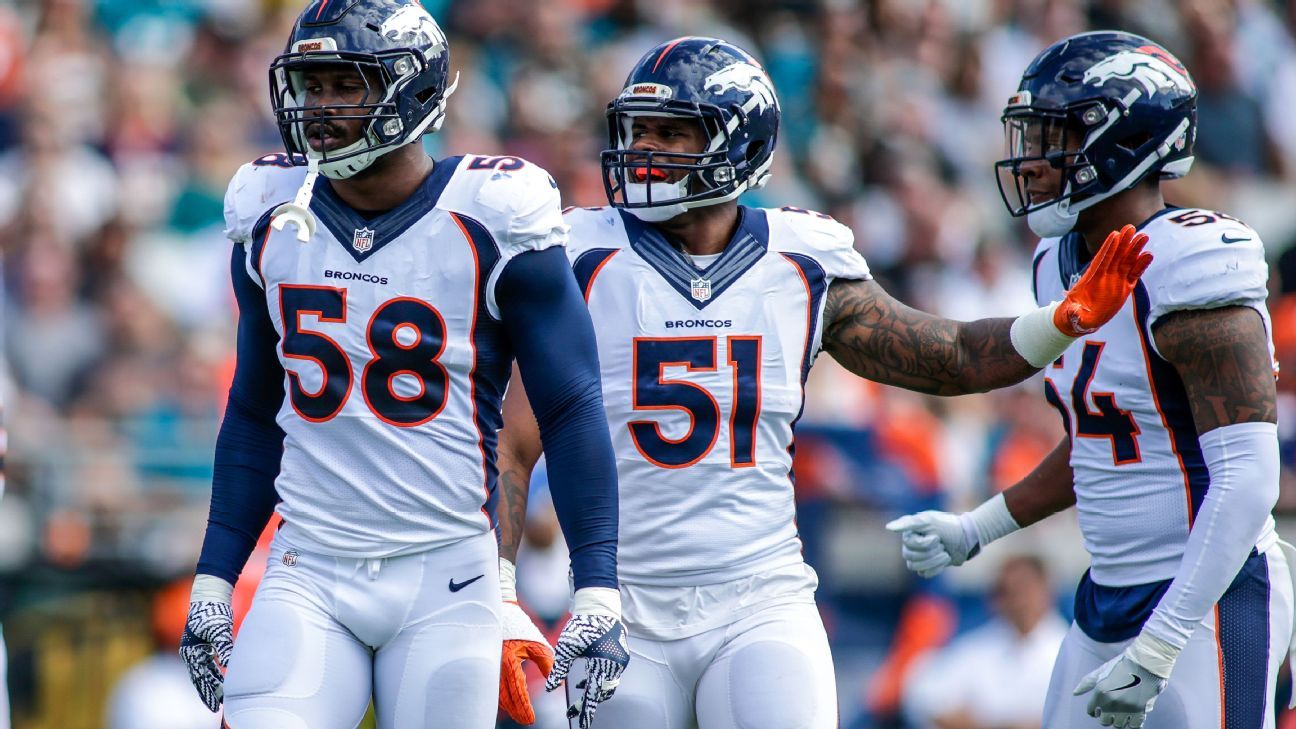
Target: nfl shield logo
(701,288)
(363,240)
(290,558)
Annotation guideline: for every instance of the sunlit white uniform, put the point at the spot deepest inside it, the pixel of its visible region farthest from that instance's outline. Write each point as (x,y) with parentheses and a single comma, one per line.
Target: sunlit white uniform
(702,378)
(384,574)
(1140,478)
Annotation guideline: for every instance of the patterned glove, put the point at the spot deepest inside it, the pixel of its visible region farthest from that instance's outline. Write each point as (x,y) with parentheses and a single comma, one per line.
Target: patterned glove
(596,634)
(208,637)
(1123,692)
(522,642)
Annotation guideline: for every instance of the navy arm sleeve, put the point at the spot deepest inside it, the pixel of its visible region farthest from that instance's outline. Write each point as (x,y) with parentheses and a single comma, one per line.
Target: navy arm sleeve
(249,446)
(552,337)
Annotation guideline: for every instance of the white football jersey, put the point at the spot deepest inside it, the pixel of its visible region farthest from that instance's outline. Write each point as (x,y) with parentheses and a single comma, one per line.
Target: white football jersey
(1139,472)
(394,360)
(702,378)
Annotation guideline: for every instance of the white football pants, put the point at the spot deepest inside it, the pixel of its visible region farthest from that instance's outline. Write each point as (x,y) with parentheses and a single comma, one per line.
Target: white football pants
(1226,676)
(4,685)
(420,633)
(770,670)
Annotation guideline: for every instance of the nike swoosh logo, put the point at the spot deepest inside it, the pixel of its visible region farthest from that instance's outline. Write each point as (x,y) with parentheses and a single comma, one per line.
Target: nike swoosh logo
(1226,240)
(1134,681)
(457,586)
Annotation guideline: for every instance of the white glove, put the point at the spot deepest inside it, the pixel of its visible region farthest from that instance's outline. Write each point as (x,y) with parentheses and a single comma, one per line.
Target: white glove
(930,541)
(1123,691)
(596,634)
(208,637)
(933,540)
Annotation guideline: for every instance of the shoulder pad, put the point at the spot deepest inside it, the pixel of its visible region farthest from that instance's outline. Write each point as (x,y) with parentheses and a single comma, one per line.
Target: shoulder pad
(1202,260)
(518,202)
(258,186)
(831,244)
(593,228)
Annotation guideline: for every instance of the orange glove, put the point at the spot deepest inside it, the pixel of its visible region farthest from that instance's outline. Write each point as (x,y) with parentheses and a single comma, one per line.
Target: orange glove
(522,642)
(1102,290)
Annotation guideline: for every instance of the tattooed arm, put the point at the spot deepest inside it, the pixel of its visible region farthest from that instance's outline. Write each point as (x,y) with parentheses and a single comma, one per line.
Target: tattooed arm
(1222,356)
(519,449)
(875,336)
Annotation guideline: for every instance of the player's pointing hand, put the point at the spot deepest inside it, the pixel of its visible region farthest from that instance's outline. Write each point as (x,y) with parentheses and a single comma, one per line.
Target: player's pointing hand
(1102,290)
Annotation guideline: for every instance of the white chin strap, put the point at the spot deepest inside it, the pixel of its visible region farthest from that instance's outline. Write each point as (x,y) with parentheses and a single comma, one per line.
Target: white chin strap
(1052,221)
(636,193)
(344,168)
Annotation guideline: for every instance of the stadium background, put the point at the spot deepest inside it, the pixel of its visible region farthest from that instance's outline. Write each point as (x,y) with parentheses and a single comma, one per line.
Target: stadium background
(121,122)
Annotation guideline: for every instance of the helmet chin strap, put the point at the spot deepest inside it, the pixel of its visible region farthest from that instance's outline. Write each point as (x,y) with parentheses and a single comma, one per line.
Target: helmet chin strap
(298,211)
(636,193)
(1053,220)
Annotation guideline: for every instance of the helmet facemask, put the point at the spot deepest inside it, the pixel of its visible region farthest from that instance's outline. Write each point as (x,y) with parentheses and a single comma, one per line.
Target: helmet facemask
(1038,139)
(383,127)
(639,181)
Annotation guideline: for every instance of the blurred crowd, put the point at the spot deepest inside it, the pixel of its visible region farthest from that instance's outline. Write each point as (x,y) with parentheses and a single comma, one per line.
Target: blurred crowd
(121,121)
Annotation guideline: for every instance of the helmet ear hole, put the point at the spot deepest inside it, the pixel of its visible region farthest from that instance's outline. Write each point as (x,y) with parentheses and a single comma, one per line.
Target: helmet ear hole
(1133,142)
(426,94)
(754,150)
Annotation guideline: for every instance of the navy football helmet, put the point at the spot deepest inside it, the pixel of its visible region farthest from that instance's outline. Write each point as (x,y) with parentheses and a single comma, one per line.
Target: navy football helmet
(1106,108)
(728,92)
(393,42)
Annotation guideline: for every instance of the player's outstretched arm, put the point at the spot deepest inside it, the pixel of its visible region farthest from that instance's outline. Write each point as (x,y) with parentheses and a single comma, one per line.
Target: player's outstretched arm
(1222,357)
(553,338)
(519,449)
(248,451)
(933,540)
(875,336)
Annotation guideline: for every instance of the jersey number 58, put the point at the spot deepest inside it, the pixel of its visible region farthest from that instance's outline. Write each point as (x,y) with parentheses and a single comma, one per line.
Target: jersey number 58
(405,337)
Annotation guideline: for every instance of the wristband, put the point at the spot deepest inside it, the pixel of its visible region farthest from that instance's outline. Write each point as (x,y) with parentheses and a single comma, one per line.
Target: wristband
(507,580)
(597,601)
(1037,339)
(992,520)
(210,588)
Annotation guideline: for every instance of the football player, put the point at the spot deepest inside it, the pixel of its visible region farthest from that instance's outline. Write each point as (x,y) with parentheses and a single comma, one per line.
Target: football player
(1171,455)
(709,315)
(382,298)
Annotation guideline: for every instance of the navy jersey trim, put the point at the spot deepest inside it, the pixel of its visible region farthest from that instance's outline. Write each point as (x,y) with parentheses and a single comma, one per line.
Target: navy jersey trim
(1074,255)
(1035,266)
(1163,211)
(344,222)
(492,360)
(816,283)
(1171,400)
(587,266)
(1055,399)
(1242,622)
(1073,258)
(748,245)
(260,236)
